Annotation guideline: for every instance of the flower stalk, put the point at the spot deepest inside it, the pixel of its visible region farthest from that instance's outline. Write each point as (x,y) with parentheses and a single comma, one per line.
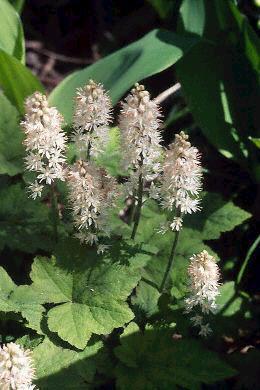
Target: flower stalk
(170,261)
(137,213)
(54,210)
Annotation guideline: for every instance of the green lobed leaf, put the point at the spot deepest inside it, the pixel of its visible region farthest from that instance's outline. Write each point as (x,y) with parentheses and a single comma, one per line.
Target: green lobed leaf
(92,297)
(156,51)
(17,81)
(154,360)
(15,299)
(11,31)
(217,216)
(11,153)
(63,368)
(146,299)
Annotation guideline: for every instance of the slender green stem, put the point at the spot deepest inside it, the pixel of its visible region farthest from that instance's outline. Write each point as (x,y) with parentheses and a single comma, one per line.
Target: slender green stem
(247,258)
(55,211)
(88,151)
(170,261)
(137,214)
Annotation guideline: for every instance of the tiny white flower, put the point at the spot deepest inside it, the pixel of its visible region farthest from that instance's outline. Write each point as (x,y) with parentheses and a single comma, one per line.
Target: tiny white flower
(102,248)
(35,189)
(205,330)
(176,224)
(197,320)
(154,191)
(164,228)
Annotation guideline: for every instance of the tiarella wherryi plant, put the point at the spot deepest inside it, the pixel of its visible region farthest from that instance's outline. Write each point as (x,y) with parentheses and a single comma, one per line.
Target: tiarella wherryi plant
(170,177)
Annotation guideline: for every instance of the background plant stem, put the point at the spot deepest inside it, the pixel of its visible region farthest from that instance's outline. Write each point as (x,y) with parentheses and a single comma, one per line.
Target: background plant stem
(247,258)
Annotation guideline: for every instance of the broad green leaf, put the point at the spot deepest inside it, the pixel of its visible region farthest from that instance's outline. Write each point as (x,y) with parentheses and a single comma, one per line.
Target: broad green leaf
(15,299)
(11,31)
(154,360)
(216,217)
(18,5)
(223,73)
(93,297)
(17,81)
(146,299)
(55,287)
(63,368)
(156,51)
(229,302)
(192,14)
(24,223)
(11,153)
(7,286)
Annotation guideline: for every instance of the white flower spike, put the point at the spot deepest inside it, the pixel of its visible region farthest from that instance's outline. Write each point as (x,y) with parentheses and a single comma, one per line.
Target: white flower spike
(139,123)
(204,275)
(91,193)
(16,368)
(181,179)
(44,141)
(91,119)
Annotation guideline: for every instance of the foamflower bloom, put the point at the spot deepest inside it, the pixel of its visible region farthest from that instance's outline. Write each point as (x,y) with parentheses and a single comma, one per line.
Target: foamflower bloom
(92,193)
(91,119)
(181,179)
(16,368)
(139,124)
(204,275)
(45,142)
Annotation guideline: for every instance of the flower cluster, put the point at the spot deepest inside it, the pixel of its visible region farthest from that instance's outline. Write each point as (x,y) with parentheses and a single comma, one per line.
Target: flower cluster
(139,123)
(181,179)
(91,119)
(204,288)
(16,368)
(91,194)
(45,142)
